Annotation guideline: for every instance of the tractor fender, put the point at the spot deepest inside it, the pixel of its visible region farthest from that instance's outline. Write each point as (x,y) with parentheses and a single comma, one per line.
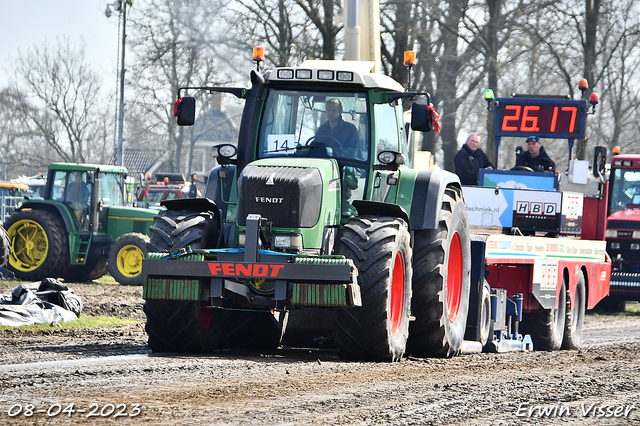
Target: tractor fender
(376,208)
(428,191)
(53,207)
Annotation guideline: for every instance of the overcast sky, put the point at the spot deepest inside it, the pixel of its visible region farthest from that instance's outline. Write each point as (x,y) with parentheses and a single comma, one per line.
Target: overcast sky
(27,23)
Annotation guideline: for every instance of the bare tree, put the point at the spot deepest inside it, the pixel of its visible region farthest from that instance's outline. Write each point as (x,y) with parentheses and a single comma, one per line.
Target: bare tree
(169,55)
(281,27)
(57,97)
(321,13)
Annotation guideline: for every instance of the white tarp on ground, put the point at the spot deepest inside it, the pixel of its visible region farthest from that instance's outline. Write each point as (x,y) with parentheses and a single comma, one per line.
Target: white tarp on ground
(41,302)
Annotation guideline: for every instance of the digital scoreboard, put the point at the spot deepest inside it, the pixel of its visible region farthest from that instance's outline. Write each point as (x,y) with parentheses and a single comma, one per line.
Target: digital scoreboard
(543,117)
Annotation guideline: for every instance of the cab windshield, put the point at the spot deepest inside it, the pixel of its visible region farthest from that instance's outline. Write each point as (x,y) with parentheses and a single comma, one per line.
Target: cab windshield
(625,190)
(315,124)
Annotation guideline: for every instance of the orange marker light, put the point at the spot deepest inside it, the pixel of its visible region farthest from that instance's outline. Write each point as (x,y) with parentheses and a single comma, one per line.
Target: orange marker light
(583,84)
(409,58)
(148,175)
(258,54)
(616,150)
(594,98)
(166,180)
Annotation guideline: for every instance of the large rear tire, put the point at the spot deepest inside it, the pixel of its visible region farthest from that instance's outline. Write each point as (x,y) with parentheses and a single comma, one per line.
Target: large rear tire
(575,316)
(125,258)
(39,245)
(441,282)
(380,250)
(547,328)
(93,269)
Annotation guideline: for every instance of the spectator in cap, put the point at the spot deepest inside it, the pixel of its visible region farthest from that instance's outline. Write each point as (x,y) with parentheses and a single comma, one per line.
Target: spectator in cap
(470,159)
(535,157)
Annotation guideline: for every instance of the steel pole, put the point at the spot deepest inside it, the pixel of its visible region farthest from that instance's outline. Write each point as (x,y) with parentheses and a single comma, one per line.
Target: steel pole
(119,147)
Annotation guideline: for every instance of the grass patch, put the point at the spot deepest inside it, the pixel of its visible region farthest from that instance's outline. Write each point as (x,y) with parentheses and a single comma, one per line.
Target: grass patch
(99,321)
(107,279)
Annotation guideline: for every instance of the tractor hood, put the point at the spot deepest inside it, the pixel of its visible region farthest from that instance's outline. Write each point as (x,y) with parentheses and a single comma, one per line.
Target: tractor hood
(297,194)
(629,219)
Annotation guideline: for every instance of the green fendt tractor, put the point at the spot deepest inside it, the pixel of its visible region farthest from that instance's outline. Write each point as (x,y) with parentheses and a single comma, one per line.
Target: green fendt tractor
(81,229)
(314,235)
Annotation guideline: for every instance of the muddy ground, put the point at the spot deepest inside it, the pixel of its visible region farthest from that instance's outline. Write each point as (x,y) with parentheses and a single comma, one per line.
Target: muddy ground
(107,376)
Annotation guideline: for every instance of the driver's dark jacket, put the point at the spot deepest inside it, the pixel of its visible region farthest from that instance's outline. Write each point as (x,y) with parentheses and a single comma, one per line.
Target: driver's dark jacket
(345,133)
(541,163)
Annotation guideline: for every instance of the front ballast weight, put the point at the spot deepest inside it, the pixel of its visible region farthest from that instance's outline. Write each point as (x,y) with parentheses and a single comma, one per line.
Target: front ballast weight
(251,277)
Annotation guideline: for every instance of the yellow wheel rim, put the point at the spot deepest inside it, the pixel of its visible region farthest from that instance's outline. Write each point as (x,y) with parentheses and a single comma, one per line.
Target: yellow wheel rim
(130,260)
(29,245)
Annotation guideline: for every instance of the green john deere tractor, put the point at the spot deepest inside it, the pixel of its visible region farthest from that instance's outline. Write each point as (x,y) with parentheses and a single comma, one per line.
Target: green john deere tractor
(81,229)
(313,233)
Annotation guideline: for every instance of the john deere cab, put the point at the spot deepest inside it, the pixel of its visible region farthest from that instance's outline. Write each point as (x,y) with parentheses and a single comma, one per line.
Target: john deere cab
(81,228)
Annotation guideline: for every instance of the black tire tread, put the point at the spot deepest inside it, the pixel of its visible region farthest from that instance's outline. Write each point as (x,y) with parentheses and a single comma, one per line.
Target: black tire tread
(540,325)
(430,334)
(363,333)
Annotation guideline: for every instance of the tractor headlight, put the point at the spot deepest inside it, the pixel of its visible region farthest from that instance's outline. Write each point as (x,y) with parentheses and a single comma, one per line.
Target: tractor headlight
(615,246)
(611,233)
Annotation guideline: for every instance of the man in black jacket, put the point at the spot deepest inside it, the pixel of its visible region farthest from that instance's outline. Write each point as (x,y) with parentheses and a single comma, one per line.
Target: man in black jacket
(535,157)
(470,159)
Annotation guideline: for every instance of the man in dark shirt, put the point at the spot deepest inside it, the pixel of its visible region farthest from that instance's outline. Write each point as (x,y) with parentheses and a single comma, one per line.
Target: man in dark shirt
(336,129)
(535,157)
(470,159)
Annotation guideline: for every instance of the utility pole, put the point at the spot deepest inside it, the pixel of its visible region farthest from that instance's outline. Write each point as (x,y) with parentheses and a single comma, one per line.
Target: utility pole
(121,7)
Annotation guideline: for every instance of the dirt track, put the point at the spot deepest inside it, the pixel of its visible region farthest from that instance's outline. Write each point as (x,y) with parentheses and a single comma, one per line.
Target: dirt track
(298,386)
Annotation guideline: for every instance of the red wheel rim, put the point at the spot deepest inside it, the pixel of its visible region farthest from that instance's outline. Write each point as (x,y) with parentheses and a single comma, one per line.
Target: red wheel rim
(454,277)
(397,294)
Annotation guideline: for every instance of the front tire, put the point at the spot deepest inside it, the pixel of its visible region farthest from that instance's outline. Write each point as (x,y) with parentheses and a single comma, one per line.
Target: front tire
(380,250)
(441,282)
(125,258)
(575,316)
(39,245)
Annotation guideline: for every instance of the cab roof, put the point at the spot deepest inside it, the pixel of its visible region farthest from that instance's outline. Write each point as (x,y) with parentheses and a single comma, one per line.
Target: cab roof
(335,72)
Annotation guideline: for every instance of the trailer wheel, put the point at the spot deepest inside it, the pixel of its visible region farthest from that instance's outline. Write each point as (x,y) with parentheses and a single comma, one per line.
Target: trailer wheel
(377,331)
(441,282)
(39,245)
(93,269)
(547,328)
(125,258)
(485,314)
(4,247)
(176,326)
(575,316)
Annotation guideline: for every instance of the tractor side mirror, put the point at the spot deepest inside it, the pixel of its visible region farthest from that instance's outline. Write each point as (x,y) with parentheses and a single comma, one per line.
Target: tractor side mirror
(599,161)
(421,118)
(185,110)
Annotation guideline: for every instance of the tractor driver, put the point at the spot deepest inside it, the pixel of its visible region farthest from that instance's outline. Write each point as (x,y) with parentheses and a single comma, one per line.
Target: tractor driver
(78,195)
(336,129)
(535,157)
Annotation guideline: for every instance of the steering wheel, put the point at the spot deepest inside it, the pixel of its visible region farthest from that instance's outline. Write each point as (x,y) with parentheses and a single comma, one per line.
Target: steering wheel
(522,169)
(335,143)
